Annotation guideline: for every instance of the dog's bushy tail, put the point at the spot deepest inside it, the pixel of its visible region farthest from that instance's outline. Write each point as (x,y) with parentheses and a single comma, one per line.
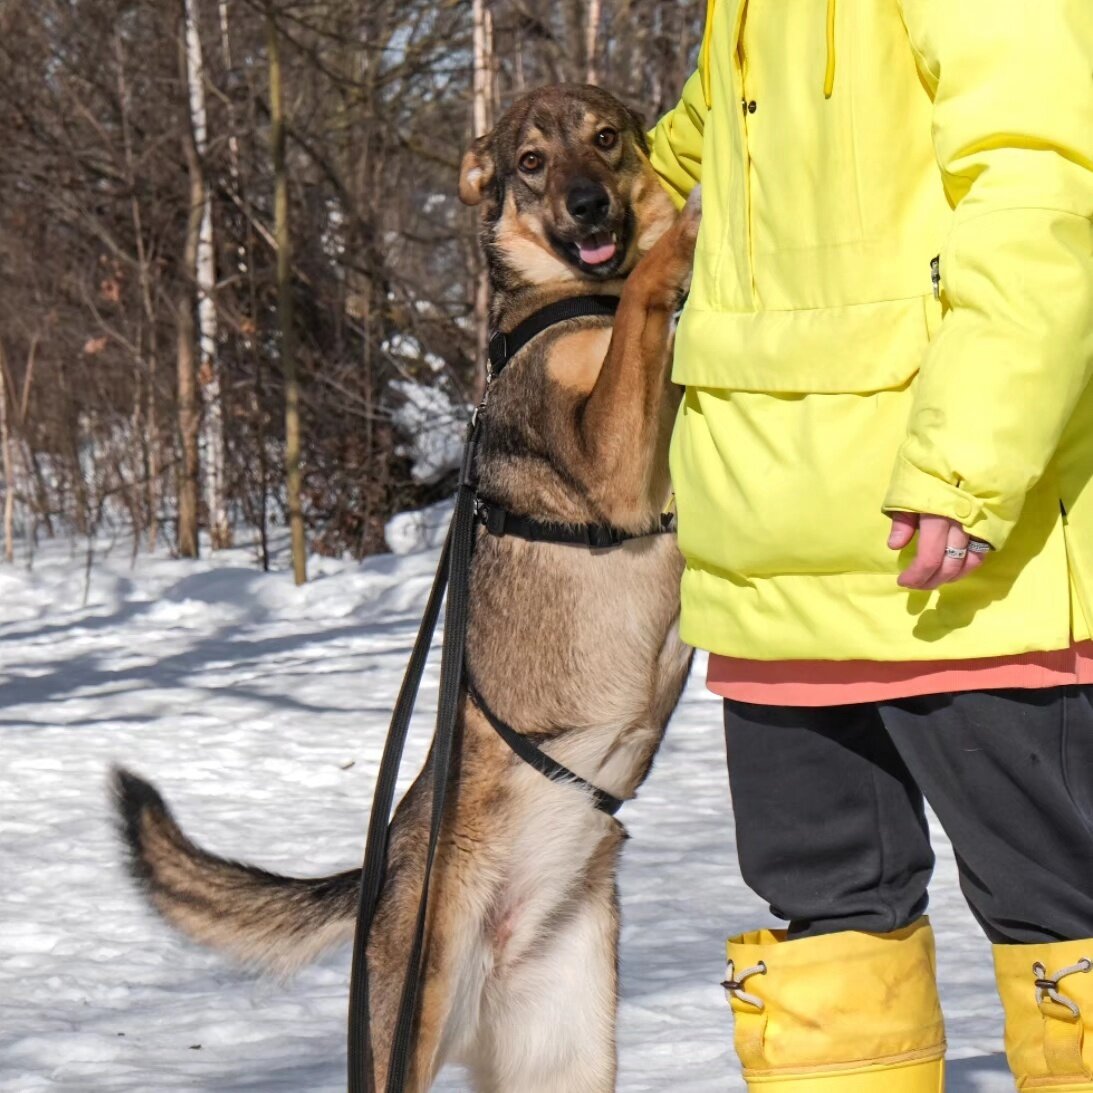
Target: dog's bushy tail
(273,922)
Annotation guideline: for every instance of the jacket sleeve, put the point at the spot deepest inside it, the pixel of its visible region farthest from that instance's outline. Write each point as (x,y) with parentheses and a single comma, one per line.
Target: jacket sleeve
(675,143)
(1013,131)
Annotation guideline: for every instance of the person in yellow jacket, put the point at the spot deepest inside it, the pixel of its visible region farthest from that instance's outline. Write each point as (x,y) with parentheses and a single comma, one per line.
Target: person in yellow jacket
(884,473)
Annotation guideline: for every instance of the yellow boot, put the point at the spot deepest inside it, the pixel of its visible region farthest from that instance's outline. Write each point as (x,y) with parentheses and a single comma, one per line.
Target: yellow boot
(1047,993)
(844,1013)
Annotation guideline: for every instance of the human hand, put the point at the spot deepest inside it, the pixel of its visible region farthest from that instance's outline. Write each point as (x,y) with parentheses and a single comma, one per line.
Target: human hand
(932,567)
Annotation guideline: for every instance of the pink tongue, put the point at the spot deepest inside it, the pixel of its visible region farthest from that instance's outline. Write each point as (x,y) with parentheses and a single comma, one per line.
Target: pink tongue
(597,250)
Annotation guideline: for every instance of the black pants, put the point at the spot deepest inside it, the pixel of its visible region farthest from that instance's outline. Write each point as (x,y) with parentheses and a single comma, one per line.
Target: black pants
(829,809)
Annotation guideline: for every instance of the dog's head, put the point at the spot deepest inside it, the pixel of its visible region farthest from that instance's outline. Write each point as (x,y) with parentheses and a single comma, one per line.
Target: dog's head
(565,187)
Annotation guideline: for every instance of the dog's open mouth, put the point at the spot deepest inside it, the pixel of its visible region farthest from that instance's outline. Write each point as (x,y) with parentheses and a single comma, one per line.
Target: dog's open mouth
(601,253)
(597,249)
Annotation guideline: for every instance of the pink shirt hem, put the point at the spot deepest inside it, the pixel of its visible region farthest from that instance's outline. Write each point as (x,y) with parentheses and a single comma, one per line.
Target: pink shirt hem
(838,683)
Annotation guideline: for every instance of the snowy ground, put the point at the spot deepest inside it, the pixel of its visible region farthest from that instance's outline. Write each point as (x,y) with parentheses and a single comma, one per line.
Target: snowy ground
(260,709)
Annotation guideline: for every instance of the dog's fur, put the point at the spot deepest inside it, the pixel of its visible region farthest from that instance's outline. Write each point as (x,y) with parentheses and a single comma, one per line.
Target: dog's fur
(577,647)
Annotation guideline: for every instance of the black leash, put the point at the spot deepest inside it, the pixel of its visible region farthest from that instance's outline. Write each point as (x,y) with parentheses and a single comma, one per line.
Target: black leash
(452,577)
(452,580)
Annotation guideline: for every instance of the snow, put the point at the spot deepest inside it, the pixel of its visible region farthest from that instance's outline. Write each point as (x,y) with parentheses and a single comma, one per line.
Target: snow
(418,529)
(434,426)
(260,710)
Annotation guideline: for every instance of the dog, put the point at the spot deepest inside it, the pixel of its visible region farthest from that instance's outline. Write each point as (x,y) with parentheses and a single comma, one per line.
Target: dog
(576,647)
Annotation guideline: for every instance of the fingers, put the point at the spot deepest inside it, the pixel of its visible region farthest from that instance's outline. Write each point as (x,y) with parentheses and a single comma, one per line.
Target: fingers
(932,566)
(933,534)
(953,558)
(904,526)
(971,564)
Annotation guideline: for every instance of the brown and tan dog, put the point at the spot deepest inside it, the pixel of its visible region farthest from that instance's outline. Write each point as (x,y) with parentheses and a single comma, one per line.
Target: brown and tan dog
(578,647)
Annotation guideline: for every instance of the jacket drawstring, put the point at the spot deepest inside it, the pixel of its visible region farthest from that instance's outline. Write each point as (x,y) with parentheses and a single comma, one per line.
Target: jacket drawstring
(829,72)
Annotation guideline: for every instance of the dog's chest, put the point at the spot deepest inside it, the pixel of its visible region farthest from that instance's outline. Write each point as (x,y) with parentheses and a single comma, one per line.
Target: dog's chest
(593,633)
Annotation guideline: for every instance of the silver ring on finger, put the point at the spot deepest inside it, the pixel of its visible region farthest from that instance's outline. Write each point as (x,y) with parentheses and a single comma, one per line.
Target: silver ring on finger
(977,546)
(958,553)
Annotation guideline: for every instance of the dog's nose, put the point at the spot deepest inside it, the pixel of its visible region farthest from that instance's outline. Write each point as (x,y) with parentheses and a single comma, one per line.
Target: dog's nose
(588,202)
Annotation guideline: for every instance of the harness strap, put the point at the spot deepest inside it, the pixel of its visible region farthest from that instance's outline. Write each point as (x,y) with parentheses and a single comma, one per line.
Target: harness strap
(504,346)
(534,756)
(500,522)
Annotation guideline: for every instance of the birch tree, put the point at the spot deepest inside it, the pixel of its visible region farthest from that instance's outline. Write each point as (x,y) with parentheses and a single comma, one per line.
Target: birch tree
(591,39)
(212,415)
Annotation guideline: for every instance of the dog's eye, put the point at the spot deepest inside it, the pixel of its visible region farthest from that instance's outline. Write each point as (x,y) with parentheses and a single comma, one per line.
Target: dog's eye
(607,137)
(531,162)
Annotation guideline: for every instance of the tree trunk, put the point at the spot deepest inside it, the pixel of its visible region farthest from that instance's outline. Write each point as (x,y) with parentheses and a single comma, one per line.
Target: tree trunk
(189,419)
(483,106)
(284,302)
(188,426)
(33,475)
(591,37)
(9,469)
(204,272)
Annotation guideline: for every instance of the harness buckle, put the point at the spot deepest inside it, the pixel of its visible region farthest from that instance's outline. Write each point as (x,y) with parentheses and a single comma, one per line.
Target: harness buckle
(492,519)
(599,537)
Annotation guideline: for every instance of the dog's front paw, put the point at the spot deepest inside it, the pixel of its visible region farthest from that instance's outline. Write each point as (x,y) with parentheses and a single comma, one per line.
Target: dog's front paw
(664,274)
(693,209)
(690,220)
(681,240)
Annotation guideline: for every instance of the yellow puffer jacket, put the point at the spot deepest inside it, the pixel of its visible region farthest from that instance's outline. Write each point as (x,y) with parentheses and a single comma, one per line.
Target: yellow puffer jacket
(825,382)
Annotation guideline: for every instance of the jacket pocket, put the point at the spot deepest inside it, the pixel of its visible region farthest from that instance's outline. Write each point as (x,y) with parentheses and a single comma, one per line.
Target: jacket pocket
(858,349)
(787,438)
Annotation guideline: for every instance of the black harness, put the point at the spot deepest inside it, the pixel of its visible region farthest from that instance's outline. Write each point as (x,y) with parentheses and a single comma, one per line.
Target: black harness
(493,517)
(535,757)
(452,585)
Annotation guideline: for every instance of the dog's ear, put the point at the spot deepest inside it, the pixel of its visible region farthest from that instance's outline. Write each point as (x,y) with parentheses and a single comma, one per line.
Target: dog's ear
(639,127)
(477,171)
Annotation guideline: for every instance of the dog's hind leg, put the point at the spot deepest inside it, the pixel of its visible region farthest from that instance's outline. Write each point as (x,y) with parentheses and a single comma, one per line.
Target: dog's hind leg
(448,997)
(550,1018)
(456,960)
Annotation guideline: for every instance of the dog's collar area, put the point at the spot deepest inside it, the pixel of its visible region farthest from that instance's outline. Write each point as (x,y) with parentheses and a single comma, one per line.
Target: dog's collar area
(505,345)
(499,522)
(535,757)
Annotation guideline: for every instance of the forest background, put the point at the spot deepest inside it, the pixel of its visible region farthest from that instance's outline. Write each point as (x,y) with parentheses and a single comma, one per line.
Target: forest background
(237,290)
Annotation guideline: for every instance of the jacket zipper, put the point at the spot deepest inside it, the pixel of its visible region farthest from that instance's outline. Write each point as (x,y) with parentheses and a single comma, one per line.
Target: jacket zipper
(935,275)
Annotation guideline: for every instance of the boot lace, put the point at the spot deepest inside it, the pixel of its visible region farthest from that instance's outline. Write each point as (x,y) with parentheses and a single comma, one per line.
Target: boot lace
(1048,986)
(734,984)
